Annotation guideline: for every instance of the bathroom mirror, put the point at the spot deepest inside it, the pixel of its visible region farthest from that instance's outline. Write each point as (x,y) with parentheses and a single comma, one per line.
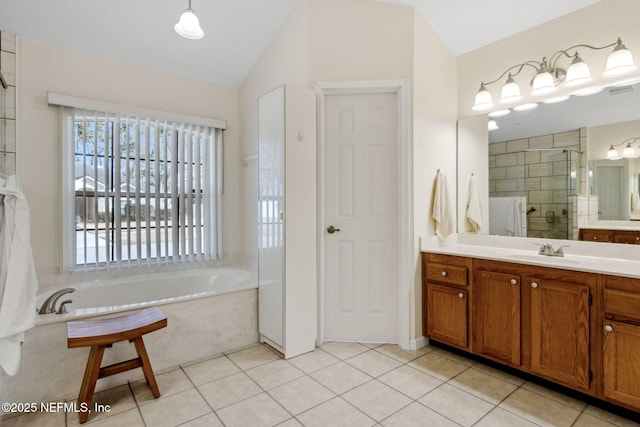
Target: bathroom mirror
(553,159)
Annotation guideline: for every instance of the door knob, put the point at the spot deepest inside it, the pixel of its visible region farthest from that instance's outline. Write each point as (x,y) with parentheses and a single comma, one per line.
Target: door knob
(331,229)
(534,285)
(608,328)
(514,282)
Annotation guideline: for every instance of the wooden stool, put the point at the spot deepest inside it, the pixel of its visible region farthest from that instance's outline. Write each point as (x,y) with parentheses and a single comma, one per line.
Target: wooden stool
(103,333)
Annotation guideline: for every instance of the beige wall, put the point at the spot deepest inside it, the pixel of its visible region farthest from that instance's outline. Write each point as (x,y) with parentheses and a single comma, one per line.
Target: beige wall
(364,40)
(597,25)
(285,60)
(359,40)
(434,138)
(44,68)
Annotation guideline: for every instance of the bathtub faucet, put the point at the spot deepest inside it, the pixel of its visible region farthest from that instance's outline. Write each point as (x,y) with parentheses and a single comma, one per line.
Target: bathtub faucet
(49,306)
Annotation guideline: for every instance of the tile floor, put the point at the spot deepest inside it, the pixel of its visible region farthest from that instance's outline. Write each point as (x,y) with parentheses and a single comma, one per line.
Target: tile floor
(339,384)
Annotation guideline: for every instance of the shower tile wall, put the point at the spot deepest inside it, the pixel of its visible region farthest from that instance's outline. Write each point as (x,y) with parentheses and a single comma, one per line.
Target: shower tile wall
(541,176)
(8,104)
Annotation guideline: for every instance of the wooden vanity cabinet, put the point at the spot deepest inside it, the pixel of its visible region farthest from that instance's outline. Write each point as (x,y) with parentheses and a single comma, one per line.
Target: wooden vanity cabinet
(496,314)
(445,296)
(628,237)
(595,235)
(621,341)
(616,236)
(534,318)
(560,325)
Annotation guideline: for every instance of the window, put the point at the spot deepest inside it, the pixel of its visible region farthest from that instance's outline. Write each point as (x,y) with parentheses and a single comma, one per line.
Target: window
(139,190)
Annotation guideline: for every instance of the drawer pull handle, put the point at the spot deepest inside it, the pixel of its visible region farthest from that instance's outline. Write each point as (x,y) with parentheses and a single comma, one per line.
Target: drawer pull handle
(595,237)
(608,328)
(460,295)
(514,282)
(534,285)
(444,273)
(637,238)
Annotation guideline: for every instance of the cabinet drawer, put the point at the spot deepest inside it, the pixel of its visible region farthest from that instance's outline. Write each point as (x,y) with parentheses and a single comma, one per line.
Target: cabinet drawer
(630,237)
(452,274)
(595,235)
(622,303)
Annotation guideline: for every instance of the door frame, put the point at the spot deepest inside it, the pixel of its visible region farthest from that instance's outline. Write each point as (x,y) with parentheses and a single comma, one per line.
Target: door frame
(404,226)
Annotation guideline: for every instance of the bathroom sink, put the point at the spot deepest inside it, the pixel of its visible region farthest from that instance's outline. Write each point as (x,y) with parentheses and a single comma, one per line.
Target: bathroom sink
(545,259)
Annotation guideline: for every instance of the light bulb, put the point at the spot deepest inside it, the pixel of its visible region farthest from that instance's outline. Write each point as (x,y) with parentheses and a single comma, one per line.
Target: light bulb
(629,152)
(619,62)
(577,73)
(510,92)
(483,100)
(542,84)
(612,154)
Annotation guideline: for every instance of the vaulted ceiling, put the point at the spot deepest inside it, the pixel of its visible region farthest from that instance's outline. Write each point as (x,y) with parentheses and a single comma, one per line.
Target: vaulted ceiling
(141,32)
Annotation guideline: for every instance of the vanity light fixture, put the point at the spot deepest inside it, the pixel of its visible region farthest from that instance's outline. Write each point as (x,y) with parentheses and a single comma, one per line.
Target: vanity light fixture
(189,26)
(629,151)
(492,125)
(549,75)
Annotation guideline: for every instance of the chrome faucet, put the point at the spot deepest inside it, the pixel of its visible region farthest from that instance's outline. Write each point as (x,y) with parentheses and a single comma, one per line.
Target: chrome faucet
(547,249)
(49,305)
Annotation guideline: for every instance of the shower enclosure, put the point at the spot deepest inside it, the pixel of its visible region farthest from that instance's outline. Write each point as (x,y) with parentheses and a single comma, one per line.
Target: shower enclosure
(538,188)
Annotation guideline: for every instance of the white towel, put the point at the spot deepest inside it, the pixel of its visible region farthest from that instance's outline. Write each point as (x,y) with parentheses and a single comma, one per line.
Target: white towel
(635,203)
(443,212)
(514,224)
(474,206)
(18,282)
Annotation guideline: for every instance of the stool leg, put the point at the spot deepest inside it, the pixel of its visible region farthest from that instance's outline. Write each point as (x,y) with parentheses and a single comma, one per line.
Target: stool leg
(89,380)
(146,366)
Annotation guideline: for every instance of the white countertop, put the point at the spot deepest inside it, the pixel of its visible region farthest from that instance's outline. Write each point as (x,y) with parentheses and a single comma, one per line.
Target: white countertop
(591,257)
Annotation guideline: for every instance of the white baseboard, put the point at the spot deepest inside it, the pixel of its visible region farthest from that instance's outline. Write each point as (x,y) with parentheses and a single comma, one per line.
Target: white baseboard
(416,343)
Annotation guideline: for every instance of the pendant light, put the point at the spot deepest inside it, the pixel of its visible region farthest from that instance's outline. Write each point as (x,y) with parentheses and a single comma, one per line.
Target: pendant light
(189,26)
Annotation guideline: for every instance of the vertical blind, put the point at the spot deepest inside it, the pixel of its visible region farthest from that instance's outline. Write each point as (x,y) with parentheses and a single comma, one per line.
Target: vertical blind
(145,191)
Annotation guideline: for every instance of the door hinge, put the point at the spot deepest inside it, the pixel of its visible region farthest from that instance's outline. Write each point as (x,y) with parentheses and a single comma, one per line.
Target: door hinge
(590,299)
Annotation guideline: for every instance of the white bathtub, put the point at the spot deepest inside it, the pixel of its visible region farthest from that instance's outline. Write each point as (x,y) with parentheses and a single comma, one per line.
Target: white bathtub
(99,297)
(209,311)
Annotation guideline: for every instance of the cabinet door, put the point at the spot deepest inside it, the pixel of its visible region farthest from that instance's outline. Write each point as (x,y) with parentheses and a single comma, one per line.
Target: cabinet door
(447,314)
(622,363)
(496,316)
(560,331)
(629,237)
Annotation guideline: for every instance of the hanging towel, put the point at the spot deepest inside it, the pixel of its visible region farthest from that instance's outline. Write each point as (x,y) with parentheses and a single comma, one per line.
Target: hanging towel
(474,206)
(635,203)
(443,212)
(514,224)
(18,282)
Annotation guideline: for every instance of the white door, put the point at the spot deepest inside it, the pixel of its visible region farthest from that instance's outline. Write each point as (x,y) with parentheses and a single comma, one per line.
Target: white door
(360,184)
(612,197)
